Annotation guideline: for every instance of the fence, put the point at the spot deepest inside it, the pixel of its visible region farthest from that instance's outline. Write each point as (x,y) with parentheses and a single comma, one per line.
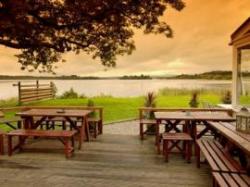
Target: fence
(34,92)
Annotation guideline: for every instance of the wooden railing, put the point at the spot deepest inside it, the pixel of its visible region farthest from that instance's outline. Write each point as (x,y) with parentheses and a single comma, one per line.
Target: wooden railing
(34,92)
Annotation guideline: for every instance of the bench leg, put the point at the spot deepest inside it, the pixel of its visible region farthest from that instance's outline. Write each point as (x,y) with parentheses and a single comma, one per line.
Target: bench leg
(100,127)
(189,151)
(1,145)
(95,130)
(197,153)
(141,131)
(184,149)
(87,130)
(166,152)
(9,145)
(73,143)
(67,148)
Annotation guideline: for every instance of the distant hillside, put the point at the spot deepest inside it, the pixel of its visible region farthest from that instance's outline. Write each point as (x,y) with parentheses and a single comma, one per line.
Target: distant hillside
(212,75)
(136,77)
(216,75)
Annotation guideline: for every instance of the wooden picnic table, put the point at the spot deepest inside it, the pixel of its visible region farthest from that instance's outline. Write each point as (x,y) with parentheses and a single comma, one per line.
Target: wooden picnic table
(190,119)
(48,114)
(236,138)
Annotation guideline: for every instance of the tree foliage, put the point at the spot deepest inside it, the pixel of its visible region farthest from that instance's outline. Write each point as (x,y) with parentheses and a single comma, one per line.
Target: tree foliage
(44,29)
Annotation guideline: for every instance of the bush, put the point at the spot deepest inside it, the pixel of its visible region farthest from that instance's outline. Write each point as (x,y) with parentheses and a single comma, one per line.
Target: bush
(150,101)
(194,100)
(82,96)
(71,94)
(227,98)
(90,103)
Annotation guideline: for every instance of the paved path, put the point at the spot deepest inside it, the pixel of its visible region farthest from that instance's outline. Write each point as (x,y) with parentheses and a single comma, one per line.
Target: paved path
(117,158)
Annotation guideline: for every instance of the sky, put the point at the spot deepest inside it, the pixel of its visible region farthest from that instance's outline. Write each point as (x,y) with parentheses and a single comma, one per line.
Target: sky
(201,36)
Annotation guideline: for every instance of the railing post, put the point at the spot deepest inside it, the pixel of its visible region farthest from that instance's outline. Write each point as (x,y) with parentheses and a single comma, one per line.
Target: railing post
(37,87)
(52,90)
(19,92)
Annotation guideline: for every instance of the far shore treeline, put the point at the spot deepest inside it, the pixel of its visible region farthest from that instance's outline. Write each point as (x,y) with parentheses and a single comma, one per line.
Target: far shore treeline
(212,75)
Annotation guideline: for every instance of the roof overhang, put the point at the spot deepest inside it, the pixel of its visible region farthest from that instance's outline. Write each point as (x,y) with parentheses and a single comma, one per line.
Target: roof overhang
(241,36)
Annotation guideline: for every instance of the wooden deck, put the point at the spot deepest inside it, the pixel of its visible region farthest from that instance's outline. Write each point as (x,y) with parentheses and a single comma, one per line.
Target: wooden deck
(111,160)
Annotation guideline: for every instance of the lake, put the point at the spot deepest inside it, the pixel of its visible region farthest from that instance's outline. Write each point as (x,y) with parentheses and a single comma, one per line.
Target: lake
(120,88)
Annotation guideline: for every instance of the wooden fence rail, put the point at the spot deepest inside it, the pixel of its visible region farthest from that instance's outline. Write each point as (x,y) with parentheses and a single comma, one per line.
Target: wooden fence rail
(34,92)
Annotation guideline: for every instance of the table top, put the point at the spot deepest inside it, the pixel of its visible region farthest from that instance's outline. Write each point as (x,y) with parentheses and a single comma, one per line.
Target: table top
(228,130)
(173,115)
(212,116)
(208,116)
(55,113)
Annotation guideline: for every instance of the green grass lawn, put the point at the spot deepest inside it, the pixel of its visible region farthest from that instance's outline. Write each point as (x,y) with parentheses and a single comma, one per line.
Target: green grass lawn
(116,109)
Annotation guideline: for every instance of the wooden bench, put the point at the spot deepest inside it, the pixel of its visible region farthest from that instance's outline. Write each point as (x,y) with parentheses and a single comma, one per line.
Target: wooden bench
(171,140)
(64,136)
(216,156)
(230,179)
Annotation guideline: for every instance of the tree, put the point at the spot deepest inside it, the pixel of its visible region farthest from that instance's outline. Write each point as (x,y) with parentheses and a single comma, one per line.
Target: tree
(44,29)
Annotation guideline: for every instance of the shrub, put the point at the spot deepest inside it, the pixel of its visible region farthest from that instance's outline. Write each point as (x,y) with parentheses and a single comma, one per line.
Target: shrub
(227,98)
(150,101)
(194,100)
(82,96)
(90,103)
(71,94)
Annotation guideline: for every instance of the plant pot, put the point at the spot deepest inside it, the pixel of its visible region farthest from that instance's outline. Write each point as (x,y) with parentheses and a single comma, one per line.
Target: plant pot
(151,130)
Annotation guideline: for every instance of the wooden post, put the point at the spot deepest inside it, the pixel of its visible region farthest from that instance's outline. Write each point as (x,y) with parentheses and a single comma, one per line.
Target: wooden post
(235,84)
(37,87)
(52,90)
(19,93)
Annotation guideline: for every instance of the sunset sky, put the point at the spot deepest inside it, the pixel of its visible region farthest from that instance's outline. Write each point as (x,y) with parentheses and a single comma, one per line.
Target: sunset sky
(201,35)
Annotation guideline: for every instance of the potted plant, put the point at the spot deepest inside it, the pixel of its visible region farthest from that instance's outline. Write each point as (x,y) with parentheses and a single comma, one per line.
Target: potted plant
(227,98)
(90,103)
(150,101)
(194,103)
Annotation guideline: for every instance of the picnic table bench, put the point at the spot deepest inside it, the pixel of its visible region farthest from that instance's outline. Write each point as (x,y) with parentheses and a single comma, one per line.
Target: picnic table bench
(64,136)
(216,156)
(230,179)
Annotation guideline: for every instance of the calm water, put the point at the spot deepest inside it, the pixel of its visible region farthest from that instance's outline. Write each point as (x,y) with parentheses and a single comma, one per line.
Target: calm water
(119,88)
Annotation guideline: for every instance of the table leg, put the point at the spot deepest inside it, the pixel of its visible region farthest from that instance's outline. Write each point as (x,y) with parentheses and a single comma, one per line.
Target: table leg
(166,150)
(157,136)
(87,129)
(81,134)
(189,151)
(141,131)
(9,145)
(197,154)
